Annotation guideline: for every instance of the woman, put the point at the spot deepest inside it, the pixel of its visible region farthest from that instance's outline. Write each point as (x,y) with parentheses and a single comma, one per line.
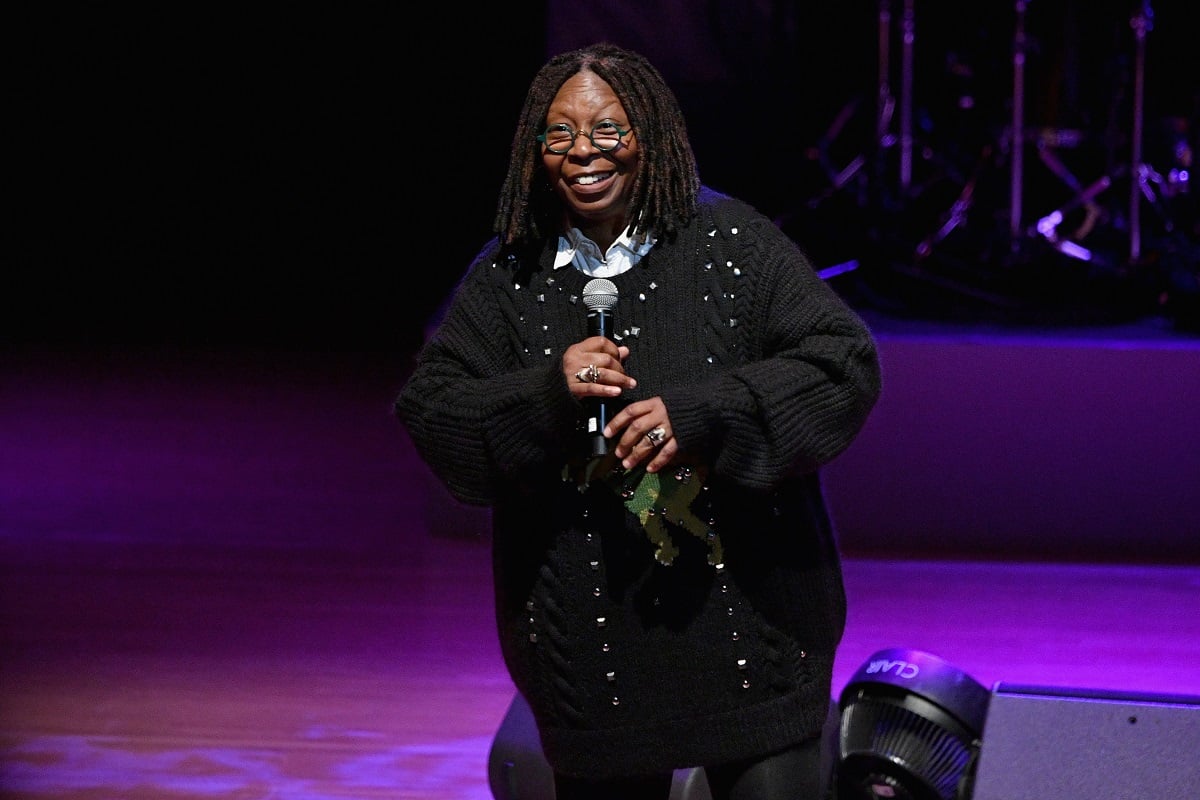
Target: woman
(673,597)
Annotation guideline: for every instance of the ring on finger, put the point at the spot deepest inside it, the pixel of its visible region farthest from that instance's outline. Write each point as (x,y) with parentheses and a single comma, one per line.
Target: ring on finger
(593,373)
(656,435)
(582,376)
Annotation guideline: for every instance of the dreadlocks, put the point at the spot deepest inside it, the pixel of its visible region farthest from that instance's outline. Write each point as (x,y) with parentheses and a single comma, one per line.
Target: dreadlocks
(667,184)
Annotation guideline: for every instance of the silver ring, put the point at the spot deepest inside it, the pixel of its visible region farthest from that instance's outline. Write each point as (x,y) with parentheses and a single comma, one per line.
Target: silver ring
(656,435)
(593,373)
(582,376)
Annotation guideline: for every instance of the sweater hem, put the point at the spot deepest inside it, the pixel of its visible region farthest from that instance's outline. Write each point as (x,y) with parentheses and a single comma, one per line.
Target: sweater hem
(680,744)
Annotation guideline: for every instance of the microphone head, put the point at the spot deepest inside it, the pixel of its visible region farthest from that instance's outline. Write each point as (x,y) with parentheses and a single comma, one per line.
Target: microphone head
(600,294)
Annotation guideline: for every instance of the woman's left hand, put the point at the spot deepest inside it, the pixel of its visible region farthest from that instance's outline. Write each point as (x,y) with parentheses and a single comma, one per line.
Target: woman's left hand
(645,435)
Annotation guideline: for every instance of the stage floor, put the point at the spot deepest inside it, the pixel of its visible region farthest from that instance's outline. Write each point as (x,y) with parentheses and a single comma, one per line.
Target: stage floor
(220,578)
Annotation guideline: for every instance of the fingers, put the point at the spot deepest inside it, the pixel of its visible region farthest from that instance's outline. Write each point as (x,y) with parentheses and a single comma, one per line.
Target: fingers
(645,435)
(656,449)
(642,430)
(594,368)
(594,380)
(664,456)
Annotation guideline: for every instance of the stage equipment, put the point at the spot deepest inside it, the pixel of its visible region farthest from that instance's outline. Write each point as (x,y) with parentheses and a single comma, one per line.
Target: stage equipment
(1142,23)
(518,769)
(1024,214)
(1017,131)
(1041,742)
(881,178)
(910,728)
(1146,184)
(1082,227)
(1144,181)
(867,172)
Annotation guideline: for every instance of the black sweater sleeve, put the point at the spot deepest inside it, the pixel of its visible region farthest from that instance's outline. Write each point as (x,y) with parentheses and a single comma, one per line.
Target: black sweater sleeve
(481,418)
(808,373)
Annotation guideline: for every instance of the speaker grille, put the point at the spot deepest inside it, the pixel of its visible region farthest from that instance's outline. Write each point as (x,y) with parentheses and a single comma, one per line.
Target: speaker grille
(904,743)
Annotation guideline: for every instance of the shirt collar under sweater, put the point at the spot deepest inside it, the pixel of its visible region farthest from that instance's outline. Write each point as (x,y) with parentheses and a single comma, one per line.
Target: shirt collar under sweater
(624,253)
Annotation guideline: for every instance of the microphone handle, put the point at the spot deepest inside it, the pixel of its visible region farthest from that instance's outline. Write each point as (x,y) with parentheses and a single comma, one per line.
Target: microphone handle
(600,323)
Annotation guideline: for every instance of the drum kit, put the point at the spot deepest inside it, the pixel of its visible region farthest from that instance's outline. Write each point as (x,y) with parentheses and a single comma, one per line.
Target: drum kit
(962,207)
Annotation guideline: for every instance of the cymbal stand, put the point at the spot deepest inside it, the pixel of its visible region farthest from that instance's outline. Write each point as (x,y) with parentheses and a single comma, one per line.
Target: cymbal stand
(1015,139)
(1047,226)
(1017,136)
(1142,22)
(1143,177)
(885,102)
(885,109)
(956,215)
(907,36)
(1085,197)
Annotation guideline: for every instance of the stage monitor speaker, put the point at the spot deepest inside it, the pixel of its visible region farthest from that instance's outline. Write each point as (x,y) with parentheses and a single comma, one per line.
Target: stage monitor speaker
(1046,743)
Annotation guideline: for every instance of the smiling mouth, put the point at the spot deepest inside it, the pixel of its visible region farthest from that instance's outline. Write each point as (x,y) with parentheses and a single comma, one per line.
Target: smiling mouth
(588,180)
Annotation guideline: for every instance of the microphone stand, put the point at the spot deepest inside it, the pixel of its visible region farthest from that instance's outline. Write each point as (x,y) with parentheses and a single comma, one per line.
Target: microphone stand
(885,105)
(1017,136)
(1142,22)
(908,35)
(1141,175)
(886,101)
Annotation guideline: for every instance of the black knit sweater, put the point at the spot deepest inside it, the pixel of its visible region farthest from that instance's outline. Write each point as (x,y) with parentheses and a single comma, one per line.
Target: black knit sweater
(629,664)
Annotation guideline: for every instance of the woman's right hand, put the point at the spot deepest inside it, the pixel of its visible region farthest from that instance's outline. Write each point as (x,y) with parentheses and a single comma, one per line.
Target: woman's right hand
(594,368)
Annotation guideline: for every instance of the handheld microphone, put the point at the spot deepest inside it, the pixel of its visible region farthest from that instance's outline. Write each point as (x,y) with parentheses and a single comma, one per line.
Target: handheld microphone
(600,297)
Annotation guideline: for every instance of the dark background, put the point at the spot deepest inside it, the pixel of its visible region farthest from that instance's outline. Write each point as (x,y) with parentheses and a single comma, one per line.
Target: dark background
(321,178)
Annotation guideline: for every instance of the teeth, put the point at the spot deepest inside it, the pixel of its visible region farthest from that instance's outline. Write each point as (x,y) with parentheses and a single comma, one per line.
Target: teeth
(588,180)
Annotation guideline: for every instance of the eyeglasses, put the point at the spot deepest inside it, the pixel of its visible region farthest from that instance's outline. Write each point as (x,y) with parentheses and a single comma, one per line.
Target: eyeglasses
(560,138)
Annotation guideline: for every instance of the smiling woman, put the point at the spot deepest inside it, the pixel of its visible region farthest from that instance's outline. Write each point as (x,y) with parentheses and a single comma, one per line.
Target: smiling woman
(673,462)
